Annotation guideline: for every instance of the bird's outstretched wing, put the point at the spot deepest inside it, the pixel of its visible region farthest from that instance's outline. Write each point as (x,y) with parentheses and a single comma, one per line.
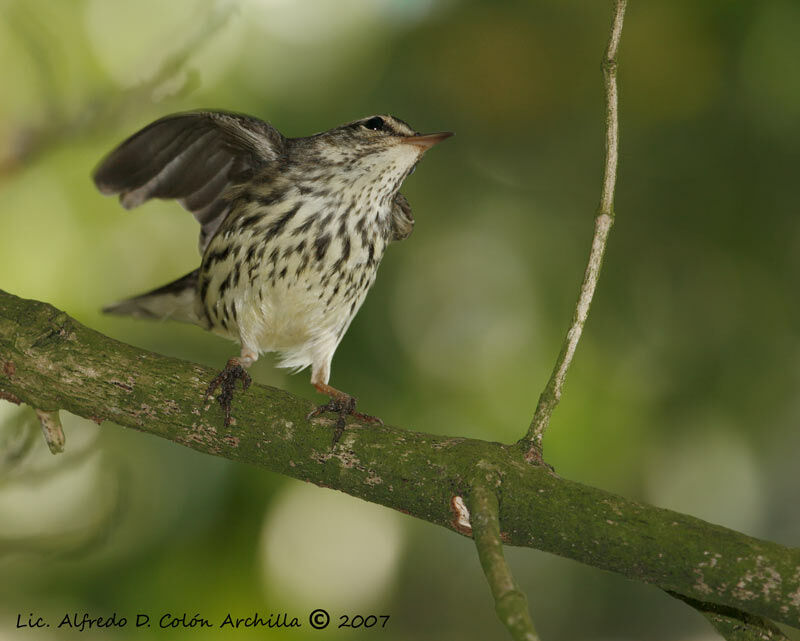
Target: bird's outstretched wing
(402,218)
(192,157)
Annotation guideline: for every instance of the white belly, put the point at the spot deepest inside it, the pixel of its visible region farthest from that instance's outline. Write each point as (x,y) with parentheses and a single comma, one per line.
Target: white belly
(295,293)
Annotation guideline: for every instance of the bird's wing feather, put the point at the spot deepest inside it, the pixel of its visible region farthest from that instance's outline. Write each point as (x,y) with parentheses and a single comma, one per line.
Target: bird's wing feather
(402,219)
(192,157)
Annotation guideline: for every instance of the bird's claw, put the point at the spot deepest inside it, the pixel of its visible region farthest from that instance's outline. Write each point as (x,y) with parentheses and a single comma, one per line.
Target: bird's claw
(226,380)
(344,406)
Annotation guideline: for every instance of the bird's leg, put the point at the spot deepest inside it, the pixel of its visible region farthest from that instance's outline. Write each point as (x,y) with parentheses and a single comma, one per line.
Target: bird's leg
(226,381)
(342,404)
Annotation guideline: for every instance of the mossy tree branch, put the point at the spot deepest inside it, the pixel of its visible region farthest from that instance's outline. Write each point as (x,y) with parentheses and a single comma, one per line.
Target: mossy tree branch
(51,362)
(735,625)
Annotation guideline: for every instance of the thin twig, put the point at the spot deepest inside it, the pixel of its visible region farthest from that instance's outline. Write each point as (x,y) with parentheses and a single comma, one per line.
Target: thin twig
(551,394)
(52,430)
(733,624)
(510,602)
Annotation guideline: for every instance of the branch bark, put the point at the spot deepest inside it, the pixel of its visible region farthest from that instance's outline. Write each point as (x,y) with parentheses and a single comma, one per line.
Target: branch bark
(734,625)
(52,362)
(551,395)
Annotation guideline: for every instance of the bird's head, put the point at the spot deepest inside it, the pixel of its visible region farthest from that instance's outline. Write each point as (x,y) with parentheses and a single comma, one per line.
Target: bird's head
(382,148)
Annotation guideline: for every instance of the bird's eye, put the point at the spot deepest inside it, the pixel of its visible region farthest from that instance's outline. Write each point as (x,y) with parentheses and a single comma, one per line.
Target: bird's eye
(376,123)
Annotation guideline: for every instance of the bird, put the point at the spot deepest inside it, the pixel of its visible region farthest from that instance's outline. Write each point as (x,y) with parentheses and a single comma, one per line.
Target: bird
(292,231)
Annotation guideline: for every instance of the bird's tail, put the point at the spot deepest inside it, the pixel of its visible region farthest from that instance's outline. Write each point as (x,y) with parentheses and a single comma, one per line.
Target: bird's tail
(175,300)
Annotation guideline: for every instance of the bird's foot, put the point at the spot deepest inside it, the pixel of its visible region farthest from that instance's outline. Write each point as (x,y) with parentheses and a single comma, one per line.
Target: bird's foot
(226,381)
(344,405)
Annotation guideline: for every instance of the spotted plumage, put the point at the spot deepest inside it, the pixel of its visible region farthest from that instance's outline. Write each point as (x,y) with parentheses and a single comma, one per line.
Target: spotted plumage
(292,229)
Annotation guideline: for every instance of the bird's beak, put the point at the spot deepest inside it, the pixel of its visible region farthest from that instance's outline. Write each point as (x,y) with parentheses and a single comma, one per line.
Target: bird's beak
(426,141)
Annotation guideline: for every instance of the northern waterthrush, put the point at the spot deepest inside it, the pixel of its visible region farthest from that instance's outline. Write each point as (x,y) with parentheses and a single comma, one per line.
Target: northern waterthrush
(292,230)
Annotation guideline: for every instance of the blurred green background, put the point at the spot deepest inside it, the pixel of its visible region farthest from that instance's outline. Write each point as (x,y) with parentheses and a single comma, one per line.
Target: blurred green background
(684,389)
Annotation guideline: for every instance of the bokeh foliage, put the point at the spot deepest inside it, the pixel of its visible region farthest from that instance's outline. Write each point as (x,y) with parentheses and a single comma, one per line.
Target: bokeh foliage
(683,392)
